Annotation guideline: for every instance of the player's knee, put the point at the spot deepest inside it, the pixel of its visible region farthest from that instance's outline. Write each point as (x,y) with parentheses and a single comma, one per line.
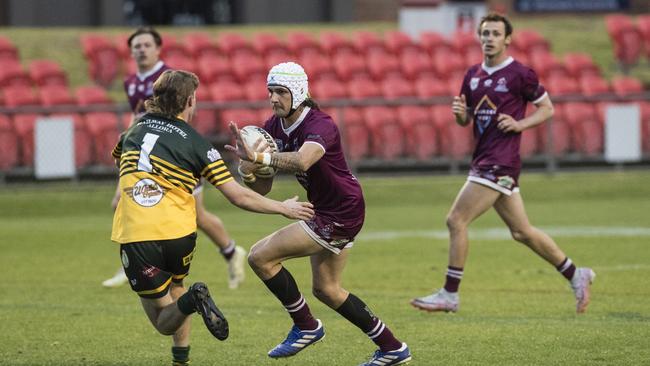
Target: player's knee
(522,236)
(454,222)
(326,294)
(255,259)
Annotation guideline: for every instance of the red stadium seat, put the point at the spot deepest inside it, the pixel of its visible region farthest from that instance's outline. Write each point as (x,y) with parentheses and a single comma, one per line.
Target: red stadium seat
(627,39)
(328,89)
(121,42)
(178,62)
(415,63)
(556,132)
(13,74)
(547,66)
(580,64)
(355,134)
(243,117)
(431,86)
(434,43)
(623,85)
(420,133)
(644,29)
(381,65)
(301,43)
(104,129)
(562,86)
(264,43)
(205,119)
(449,64)
(529,41)
(103,56)
(173,48)
(397,87)
(317,66)
(23,125)
(529,142)
(335,42)
(276,56)
(87,95)
(348,66)
(8,145)
(387,141)
(591,85)
(586,129)
(365,41)
(247,67)
(214,68)
(47,72)
(455,142)
(227,91)
(200,44)
(8,51)
(255,91)
(232,44)
(397,42)
(52,95)
(363,89)
(463,42)
(17,96)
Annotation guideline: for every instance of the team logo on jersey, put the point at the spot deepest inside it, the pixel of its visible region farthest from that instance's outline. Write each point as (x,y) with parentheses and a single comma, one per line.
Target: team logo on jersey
(483,113)
(280,145)
(487,83)
(131,90)
(473,83)
(146,192)
(141,88)
(213,155)
(501,86)
(125,260)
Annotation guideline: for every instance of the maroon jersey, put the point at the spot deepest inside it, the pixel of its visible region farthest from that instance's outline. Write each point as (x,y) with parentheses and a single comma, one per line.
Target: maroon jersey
(490,91)
(331,188)
(139,87)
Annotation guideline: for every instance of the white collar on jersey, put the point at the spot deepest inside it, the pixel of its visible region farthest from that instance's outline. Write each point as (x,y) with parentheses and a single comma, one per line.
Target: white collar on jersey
(153,70)
(295,125)
(493,69)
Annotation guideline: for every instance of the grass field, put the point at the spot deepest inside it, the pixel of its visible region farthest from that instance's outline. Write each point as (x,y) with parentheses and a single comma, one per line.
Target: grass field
(515,310)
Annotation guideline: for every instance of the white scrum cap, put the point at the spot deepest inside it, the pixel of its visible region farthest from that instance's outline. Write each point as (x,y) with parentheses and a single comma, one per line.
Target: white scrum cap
(293,77)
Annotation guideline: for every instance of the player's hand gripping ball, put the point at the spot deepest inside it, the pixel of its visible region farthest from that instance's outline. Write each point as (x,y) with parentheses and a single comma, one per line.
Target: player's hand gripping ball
(250,135)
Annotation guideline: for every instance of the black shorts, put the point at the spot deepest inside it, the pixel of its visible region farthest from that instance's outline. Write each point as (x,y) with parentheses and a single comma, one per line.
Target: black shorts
(151,266)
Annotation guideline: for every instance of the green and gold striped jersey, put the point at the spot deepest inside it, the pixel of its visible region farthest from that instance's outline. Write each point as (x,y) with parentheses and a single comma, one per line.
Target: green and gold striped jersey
(161,161)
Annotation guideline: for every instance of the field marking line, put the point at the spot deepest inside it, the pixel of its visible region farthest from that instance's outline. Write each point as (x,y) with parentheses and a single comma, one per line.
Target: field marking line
(503,233)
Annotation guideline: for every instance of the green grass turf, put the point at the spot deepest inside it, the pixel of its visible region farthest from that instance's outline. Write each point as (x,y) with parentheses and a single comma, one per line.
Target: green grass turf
(515,310)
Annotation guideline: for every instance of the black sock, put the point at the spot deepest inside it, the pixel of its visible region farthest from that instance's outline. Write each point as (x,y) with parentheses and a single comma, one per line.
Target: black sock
(186,304)
(357,312)
(284,287)
(181,355)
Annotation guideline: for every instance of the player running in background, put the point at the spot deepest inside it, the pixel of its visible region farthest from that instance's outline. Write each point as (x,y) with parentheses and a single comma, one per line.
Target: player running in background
(145,45)
(309,146)
(494,95)
(161,159)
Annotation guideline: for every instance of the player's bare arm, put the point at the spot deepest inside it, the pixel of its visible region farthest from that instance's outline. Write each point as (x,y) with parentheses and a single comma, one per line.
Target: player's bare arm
(252,201)
(460,110)
(544,111)
(298,161)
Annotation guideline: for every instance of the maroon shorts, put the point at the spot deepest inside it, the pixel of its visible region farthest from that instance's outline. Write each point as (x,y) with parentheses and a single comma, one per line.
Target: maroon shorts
(500,178)
(333,235)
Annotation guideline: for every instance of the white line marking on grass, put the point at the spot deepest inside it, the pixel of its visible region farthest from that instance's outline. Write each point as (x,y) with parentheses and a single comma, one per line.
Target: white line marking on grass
(502,233)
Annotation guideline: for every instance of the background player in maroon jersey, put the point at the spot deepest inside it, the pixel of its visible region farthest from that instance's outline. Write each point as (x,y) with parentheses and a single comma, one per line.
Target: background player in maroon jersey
(494,95)
(309,146)
(145,45)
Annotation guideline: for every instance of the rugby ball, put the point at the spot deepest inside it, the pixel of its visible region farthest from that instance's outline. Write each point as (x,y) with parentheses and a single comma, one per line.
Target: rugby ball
(250,135)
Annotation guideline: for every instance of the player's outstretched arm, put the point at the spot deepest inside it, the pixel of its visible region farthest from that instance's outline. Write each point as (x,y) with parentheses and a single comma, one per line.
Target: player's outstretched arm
(252,201)
(260,185)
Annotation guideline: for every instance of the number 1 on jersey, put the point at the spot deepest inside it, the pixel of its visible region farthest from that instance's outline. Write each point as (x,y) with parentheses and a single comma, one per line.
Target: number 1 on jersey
(144,163)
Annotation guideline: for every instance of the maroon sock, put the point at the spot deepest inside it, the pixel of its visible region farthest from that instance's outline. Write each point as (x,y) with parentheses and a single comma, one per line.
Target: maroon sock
(452,280)
(358,313)
(284,287)
(567,268)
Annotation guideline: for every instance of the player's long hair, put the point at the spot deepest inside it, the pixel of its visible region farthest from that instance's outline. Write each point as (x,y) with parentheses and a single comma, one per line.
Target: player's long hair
(170,93)
(309,102)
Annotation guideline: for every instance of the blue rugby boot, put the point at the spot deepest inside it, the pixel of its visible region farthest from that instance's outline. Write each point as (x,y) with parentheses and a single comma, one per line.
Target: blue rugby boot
(397,357)
(297,340)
